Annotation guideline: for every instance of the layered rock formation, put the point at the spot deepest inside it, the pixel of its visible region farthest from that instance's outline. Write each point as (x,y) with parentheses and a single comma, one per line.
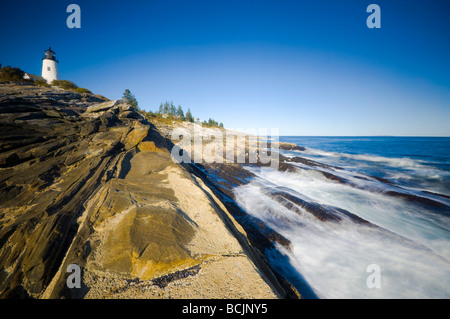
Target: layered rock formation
(90,182)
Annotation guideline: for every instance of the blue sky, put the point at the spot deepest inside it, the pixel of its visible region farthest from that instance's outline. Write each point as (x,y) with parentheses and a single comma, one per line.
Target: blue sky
(305,67)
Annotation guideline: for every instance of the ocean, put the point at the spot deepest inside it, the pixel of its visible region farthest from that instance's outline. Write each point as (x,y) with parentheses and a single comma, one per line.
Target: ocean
(404,250)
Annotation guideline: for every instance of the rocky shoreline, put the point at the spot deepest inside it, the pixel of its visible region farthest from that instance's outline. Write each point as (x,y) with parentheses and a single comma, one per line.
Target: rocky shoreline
(91,182)
(224,178)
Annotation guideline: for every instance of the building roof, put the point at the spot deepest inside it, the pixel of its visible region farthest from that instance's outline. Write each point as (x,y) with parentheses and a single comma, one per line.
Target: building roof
(34,77)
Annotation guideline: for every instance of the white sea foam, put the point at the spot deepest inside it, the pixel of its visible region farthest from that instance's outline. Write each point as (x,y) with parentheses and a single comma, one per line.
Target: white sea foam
(411,173)
(333,257)
(403,162)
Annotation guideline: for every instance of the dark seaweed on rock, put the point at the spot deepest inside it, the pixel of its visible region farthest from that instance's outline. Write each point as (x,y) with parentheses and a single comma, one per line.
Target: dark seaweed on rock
(163,281)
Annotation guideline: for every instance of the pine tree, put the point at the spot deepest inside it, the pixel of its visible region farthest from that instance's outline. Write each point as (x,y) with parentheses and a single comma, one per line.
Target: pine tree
(180,113)
(127,95)
(172,110)
(166,108)
(189,117)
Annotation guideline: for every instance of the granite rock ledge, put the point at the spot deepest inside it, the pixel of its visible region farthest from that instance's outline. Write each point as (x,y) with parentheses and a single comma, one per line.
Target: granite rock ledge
(91,182)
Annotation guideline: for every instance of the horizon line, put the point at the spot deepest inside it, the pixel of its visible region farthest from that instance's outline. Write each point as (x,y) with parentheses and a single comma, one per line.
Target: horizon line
(417,136)
(365,135)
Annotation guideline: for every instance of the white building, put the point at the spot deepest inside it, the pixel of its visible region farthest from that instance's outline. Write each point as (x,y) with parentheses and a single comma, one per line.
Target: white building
(50,70)
(34,77)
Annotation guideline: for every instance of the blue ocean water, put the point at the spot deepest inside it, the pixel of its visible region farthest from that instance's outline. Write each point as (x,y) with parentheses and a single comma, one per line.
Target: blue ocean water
(422,162)
(410,243)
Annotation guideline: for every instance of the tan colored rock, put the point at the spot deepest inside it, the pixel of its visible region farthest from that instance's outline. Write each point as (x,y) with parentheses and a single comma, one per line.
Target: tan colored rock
(148,146)
(137,134)
(102,192)
(173,228)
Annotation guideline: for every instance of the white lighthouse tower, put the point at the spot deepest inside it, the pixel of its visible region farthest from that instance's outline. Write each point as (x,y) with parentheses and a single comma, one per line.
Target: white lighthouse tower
(50,66)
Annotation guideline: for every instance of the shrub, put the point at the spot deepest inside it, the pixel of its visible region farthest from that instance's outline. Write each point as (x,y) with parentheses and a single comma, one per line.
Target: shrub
(69,85)
(101,97)
(212,123)
(82,90)
(65,84)
(41,83)
(12,74)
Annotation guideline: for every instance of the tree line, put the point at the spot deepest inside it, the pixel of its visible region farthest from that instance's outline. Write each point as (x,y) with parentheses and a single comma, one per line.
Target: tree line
(169,111)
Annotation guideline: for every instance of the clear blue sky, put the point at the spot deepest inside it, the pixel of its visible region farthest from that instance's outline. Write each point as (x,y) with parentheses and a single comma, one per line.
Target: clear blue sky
(305,67)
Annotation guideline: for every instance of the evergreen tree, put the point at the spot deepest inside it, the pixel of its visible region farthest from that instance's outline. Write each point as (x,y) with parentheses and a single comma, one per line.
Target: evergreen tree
(166,108)
(189,117)
(172,110)
(180,113)
(127,95)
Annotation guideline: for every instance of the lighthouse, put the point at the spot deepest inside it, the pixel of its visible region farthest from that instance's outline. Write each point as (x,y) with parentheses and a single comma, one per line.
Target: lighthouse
(50,66)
